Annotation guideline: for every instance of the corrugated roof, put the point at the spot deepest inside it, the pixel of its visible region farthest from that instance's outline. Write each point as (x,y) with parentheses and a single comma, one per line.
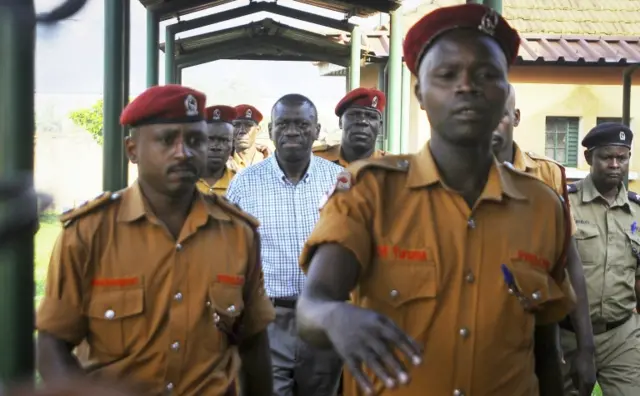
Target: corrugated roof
(549,49)
(167,9)
(269,40)
(561,17)
(359,8)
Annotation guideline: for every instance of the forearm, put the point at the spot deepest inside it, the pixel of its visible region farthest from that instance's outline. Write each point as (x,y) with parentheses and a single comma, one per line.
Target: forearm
(547,360)
(55,358)
(255,372)
(580,318)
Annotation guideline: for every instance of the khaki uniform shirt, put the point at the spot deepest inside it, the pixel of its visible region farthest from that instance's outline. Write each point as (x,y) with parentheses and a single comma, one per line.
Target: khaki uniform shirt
(545,169)
(606,235)
(260,154)
(219,187)
(333,154)
(151,309)
(433,265)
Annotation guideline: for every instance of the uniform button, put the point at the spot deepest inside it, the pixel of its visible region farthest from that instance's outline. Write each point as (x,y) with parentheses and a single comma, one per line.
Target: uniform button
(470,278)
(178,247)
(178,296)
(175,346)
(536,295)
(458,392)
(394,293)
(216,318)
(231,309)
(169,387)
(464,332)
(115,196)
(471,223)
(109,314)
(208,303)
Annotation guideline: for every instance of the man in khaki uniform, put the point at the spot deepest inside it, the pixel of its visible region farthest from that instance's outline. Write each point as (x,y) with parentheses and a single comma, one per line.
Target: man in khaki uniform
(607,219)
(434,245)
(246,128)
(218,174)
(360,118)
(161,285)
(552,173)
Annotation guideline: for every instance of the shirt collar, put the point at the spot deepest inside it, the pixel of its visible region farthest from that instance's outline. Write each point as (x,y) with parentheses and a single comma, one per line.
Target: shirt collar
(134,206)
(282,178)
(591,193)
(423,172)
(521,161)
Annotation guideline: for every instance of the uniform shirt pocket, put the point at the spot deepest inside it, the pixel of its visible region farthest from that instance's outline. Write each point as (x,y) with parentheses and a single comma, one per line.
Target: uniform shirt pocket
(115,320)
(224,310)
(587,241)
(405,292)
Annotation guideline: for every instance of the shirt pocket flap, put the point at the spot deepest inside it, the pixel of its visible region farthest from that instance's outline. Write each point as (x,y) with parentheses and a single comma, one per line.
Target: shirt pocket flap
(587,231)
(535,285)
(400,283)
(227,298)
(116,304)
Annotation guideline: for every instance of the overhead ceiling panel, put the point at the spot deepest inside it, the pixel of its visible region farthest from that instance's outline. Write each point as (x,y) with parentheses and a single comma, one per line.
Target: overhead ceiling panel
(359,8)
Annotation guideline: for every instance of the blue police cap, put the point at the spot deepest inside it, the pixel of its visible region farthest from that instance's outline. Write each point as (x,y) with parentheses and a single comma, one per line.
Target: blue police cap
(608,134)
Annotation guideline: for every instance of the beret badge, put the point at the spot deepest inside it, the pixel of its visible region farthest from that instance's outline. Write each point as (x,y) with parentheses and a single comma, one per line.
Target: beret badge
(489,22)
(191,106)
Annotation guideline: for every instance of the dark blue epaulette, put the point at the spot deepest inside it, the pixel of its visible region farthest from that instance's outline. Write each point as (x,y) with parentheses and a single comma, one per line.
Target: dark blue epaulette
(572,188)
(634,197)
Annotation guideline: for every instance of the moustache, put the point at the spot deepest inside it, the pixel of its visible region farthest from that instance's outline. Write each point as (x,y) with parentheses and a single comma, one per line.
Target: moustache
(182,168)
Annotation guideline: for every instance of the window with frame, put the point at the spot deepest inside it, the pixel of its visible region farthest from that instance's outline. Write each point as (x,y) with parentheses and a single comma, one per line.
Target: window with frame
(561,140)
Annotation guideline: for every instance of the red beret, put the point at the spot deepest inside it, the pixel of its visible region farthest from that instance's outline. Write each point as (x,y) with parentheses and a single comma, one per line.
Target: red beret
(220,113)
(466,16)
(248,112)
(165,104)
(363,97)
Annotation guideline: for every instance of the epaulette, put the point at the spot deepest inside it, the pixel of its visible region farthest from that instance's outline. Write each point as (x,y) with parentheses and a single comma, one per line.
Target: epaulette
(233,209)
(543,158)
(634,197)
(573,188)
(393,163)
(69,216)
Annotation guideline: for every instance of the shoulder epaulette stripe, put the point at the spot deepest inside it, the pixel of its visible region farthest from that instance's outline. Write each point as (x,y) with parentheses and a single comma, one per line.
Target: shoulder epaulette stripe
(69,216)
(634,197)
(235,210)
(394,163)
(572,188)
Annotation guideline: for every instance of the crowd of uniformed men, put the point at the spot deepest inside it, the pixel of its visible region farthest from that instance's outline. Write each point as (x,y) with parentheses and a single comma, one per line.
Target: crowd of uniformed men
(470,268)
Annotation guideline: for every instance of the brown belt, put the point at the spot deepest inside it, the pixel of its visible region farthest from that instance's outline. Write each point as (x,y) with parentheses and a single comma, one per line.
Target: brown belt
(598,328)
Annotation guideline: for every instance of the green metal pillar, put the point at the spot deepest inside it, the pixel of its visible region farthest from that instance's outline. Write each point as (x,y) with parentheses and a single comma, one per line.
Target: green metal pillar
(405,111)
(394,99)
(627,75)
(354,65)
(17,47)
(126,56)
(169,56)
(153,38)
(382,86)
(495,4)
(179,72)
(114,94)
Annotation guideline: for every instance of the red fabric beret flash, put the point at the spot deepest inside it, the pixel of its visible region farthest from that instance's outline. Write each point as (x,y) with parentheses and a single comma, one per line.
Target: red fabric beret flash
(165,104)
(248,112)
(466,16)
(220,113)
(362,97)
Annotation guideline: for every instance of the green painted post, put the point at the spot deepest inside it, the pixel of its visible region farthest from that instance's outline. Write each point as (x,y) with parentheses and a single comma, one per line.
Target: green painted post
(382,87)
(17,47)
(495,4)
(126,53)
(395,84)
(169,56)
(114,93)
(406,107)
(153,38)
(354,65)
